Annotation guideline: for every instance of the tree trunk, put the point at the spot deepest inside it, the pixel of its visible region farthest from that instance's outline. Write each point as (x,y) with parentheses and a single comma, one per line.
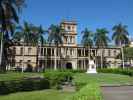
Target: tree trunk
(122,53)
(55,65)
(1,51)
(89,57)
(23,57)
(101,58)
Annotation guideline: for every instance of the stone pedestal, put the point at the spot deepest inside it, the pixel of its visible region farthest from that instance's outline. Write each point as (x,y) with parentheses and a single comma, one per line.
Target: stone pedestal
(92,67)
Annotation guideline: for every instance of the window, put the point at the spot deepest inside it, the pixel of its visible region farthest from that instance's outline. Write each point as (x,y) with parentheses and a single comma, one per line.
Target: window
(52,51)
(41,51)
(73,28)
(29,50)
(114,52)
(79,52)
(49,51)
(20,61)
(69,28)
(44,51)
(28,61)
(14,50)
(109,53)
(21,51)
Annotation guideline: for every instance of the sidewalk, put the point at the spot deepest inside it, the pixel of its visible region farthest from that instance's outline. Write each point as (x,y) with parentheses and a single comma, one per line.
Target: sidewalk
(118,93)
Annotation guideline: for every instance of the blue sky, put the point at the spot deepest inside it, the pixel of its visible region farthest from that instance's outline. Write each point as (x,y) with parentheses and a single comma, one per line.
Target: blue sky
(88,13)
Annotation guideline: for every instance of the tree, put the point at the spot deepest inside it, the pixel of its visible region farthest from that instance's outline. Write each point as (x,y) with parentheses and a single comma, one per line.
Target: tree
(55,37)
(24,37)
(87,39)
(101,41)
(39,33)
(120,35)
(8,17)
(29,34)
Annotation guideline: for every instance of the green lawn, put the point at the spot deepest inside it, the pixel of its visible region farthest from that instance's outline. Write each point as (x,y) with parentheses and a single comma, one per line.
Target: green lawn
(38,95)
(102,78)
(59,95)
(15,76)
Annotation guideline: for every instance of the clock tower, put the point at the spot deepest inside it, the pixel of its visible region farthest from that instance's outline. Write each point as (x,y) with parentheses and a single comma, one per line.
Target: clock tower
(69,33)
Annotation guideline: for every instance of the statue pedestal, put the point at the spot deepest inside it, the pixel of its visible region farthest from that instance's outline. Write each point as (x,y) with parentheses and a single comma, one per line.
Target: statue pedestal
(92,67)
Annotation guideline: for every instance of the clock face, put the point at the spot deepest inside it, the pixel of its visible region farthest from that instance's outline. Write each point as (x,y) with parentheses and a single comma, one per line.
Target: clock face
(68,28)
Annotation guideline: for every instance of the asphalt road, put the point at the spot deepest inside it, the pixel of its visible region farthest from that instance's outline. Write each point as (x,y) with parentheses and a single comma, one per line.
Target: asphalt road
(118,93)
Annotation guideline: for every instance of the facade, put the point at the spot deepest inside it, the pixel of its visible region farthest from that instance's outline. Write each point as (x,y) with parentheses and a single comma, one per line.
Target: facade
(68,55)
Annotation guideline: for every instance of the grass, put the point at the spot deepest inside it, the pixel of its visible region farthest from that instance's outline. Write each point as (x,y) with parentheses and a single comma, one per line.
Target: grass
(101,78)
(38,95)
(15,76)
(90,91)
(89,82)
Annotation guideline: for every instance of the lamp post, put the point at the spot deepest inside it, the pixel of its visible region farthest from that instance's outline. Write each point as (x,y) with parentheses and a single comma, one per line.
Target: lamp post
(1,49)
(122,53)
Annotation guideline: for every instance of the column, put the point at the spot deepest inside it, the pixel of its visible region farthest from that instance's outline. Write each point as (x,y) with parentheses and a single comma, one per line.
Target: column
(84,52)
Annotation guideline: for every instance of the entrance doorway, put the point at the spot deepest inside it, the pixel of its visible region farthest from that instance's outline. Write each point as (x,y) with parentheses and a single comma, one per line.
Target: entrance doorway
(69,66)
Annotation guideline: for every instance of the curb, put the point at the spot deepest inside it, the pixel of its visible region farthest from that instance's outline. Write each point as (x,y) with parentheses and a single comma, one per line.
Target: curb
(116,85)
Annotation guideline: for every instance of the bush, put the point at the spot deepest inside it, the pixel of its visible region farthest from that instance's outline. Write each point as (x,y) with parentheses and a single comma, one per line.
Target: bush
(68,70)
(117,71)
(57,77)
(7,87)
(3,88)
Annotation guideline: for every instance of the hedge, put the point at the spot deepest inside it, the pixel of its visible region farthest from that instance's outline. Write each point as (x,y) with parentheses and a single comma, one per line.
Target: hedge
(7,87)
(128,72)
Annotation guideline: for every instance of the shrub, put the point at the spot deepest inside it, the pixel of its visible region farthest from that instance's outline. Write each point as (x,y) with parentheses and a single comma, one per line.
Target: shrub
(3,88)
(117,71)
(57,77)
(27,85)
(7,87)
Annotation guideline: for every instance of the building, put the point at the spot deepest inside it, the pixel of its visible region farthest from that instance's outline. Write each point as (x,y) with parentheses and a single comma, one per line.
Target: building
(69,55)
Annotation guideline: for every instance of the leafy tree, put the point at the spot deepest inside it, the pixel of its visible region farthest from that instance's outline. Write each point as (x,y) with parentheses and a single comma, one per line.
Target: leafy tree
(8,16)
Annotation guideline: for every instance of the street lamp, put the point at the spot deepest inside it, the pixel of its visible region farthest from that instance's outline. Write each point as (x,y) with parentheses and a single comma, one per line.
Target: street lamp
(122,53)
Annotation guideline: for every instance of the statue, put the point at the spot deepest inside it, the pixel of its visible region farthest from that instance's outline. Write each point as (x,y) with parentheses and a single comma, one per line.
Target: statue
(92,65)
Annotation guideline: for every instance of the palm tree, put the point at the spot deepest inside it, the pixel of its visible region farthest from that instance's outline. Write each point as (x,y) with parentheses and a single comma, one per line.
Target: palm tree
(55,37)
(87,39)
(101,41)
(120,35)
(39,33)
(30,34)
(8,17)
(24,36)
